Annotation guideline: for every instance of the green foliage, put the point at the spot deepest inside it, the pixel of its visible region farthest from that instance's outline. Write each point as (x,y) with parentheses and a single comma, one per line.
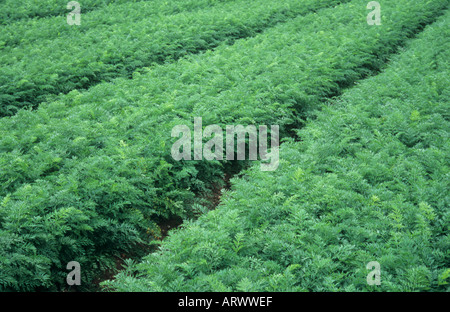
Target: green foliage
(117,14)
(281,77)
(366,183)
(80,57)
(90,174)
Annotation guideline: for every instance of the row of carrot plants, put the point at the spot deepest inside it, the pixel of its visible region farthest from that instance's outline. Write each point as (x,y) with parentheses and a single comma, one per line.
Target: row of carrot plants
(26,31)
(81,57)
(90,174)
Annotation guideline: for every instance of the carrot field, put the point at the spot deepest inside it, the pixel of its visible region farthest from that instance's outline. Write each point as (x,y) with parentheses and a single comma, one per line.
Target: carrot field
(351,113)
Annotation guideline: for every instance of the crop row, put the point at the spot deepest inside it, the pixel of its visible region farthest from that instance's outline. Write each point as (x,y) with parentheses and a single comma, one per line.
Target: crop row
(89,174)
(13,10)
(31,30)
(368,182)
(78,60)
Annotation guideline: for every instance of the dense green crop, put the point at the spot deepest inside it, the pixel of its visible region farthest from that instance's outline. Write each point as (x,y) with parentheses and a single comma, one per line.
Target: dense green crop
(368,182)
(12,10)
(115,14)
(88,174)
(79,58)
(286,68)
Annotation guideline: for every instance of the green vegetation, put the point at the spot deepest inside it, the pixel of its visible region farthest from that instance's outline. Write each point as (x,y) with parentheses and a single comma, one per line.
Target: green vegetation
(368,182)
(88,175)
(115,14)
(13,10)
(80,59)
